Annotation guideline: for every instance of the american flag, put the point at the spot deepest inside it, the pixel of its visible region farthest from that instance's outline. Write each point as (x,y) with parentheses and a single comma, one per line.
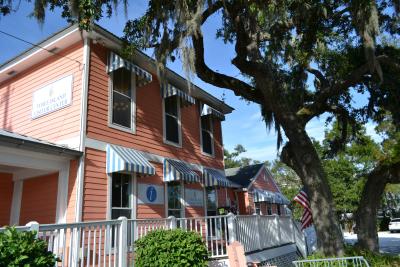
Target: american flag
(302,199)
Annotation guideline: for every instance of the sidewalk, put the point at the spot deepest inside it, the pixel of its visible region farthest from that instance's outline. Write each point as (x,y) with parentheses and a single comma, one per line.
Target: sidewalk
(389,243)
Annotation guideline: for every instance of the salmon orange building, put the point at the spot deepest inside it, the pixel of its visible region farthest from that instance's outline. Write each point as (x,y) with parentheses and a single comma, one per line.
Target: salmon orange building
(89,135)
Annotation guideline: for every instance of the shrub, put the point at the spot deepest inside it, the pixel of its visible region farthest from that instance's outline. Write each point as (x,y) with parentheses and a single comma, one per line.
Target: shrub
(374,259)
(383,224)
(171,248)
(24,249)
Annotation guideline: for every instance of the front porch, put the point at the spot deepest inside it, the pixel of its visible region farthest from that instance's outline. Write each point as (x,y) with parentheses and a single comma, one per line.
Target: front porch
(34,180)
(111,243)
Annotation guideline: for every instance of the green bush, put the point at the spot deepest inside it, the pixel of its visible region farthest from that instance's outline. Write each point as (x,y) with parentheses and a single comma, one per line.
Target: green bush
(171,248)
(374,259)
(383,224)
(24,249)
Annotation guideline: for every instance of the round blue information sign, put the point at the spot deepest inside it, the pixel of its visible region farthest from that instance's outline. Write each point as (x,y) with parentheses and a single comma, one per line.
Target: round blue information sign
(151,193)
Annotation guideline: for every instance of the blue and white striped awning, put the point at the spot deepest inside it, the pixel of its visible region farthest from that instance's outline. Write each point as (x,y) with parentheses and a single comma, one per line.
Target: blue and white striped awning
(281,199)
(175,170)
(212,177)
(122,159)
(270,197)
(207,110)
(168,90)
(264,196)
(116,62)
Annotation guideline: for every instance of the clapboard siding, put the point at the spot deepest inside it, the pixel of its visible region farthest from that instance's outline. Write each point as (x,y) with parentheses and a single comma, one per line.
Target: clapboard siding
(264,182)
(16,98)
(72,187)
(149,120)
(39,199)
(6,191)
(94,186)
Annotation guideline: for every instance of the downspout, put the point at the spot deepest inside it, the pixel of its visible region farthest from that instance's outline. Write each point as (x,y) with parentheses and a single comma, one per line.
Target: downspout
(82,137)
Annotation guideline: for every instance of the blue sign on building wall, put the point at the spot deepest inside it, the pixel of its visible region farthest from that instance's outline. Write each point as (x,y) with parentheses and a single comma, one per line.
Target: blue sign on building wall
(151,193)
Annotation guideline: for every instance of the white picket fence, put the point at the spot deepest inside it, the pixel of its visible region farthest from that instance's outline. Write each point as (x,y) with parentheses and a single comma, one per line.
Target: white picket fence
(111,243)
(257,232)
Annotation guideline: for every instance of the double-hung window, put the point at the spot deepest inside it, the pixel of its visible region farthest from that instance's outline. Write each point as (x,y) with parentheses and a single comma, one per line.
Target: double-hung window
(172,123)
(122,99)
(174,199)
(121,196)
(207,139)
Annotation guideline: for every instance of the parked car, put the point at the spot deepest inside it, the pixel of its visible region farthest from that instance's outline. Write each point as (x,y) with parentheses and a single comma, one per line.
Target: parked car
(394,225)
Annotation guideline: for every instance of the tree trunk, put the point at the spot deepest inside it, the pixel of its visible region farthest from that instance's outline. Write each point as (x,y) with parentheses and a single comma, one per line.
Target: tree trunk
(366,215)
(300,154)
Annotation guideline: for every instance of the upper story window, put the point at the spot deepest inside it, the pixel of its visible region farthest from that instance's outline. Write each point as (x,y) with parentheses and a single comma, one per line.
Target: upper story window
(122,99)
(172,122)
(207,138)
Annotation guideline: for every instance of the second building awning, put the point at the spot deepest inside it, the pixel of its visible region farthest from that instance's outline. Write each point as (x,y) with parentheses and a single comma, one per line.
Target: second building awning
(175,170)
(270,197)
(263,196)
(122,159)
(212,177)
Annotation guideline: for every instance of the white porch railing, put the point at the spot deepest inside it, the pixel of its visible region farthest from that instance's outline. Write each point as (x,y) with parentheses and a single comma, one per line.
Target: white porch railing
(111,243)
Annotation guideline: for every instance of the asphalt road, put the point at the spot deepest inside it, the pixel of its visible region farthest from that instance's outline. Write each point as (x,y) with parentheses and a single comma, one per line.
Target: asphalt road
(388,243)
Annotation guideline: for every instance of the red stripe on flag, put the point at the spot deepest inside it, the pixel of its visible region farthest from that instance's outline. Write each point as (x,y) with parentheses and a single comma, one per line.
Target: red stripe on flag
(306,218)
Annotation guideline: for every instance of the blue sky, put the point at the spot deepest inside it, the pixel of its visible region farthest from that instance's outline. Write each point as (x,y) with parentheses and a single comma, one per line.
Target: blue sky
(244,126)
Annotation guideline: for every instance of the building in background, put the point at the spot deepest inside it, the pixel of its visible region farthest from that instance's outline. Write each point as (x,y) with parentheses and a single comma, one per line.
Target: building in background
(258,192)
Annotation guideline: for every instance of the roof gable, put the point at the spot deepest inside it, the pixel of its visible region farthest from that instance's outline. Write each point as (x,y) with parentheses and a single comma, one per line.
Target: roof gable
(243,175)
(253,175)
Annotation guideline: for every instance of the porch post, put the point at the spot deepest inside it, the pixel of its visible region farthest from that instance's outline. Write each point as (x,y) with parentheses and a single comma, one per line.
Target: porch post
(16,201)
(231,228)
(123,242)
(62,193)
(172,222)
(33,226)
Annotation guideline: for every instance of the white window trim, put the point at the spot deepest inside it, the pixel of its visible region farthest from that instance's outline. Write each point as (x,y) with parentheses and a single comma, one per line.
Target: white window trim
(182,199)
(132,197)
(212,138)
(178,103)
(132,129)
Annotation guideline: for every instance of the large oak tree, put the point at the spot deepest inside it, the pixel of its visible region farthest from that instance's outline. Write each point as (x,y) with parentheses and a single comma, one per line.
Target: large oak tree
(299,59)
